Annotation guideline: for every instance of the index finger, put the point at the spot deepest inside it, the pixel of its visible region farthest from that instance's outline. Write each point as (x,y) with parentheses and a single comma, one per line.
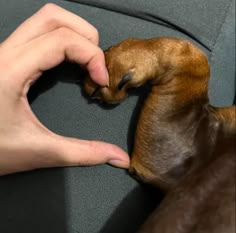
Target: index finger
(49,50)
(47,19)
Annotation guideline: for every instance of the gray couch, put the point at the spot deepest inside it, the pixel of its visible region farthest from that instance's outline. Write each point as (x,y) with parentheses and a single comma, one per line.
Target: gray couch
(103,198)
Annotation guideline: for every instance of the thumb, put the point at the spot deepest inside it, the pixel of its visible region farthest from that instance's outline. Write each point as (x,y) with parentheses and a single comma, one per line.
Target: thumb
(75,152)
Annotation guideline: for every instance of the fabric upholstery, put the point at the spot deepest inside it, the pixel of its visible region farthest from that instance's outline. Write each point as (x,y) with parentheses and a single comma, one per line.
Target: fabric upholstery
(102,198)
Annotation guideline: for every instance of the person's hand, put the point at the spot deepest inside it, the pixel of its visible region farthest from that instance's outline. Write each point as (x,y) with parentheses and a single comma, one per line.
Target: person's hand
(40,43)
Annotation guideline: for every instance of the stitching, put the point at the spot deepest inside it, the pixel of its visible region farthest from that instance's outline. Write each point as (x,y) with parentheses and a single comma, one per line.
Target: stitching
(220,31)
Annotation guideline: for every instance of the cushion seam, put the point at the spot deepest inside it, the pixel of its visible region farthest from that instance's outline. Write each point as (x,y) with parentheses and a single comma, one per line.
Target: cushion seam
(220,32)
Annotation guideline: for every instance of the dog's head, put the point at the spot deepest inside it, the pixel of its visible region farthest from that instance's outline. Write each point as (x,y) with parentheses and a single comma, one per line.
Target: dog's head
(128,67)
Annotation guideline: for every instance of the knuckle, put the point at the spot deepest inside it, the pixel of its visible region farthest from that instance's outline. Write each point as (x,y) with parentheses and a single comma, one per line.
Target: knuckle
(48,15)
(95,35)
(49,8)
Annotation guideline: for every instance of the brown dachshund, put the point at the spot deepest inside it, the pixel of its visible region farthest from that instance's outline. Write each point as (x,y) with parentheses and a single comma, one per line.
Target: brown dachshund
(182,143)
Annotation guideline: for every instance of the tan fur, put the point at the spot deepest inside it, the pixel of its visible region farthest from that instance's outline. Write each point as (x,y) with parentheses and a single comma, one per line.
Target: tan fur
(182,143)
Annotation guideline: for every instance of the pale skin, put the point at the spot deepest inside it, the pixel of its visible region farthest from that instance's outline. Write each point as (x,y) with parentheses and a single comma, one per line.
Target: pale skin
(40,43)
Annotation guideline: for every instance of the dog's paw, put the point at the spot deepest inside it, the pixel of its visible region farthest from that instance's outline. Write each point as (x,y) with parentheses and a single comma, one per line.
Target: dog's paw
(128,65)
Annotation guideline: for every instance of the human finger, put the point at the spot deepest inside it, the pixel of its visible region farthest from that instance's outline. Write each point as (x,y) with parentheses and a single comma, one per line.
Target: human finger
(49,18)
(75,152)
(51,49)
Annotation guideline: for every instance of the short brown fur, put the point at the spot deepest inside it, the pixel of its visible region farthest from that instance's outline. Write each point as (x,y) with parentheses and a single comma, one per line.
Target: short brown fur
(182,143)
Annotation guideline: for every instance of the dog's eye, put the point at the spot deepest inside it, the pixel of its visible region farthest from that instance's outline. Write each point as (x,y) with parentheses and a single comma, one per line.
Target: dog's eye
(124,80)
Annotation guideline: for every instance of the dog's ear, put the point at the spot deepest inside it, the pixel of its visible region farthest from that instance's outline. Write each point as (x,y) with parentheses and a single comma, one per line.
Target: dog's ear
(124,81)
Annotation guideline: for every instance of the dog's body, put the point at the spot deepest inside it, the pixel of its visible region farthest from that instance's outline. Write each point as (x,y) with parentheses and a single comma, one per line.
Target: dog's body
(182,144)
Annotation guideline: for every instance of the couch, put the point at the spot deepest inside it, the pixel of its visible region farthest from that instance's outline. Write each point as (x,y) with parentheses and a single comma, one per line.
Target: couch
(103,198)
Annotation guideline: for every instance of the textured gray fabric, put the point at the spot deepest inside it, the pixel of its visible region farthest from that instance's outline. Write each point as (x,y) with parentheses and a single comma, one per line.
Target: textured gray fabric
(101,198)
(222,60)
(199,18)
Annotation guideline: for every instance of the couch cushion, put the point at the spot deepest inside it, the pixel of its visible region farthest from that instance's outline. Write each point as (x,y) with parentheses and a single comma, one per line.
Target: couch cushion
(199,19)
(84,199)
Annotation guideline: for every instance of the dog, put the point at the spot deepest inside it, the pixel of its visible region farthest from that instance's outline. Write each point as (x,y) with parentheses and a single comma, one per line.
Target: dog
(182,144)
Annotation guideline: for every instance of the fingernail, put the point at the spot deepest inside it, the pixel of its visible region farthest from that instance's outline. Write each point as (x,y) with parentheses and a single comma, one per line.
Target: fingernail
(119,163)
